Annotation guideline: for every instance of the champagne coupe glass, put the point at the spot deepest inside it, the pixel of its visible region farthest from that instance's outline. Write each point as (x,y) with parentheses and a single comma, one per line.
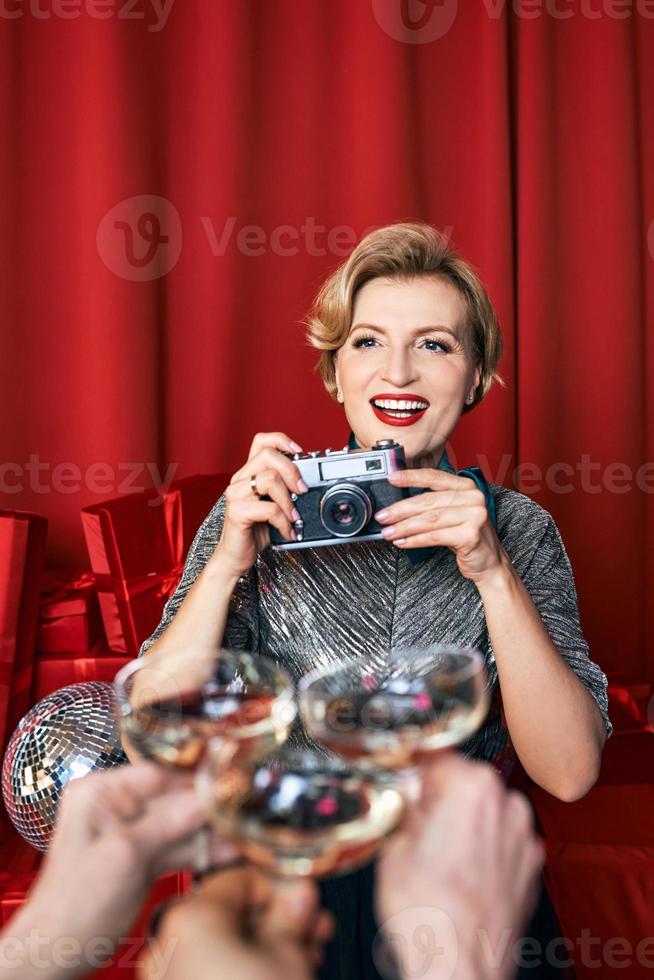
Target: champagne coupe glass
(168,715)
(397,711)
(299,812)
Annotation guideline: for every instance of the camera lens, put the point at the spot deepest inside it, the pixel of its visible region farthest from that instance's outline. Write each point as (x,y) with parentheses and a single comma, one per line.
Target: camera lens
(345,509)
(344,513)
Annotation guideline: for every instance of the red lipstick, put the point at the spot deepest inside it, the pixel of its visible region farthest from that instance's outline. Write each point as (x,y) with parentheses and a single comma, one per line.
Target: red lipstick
(402,419)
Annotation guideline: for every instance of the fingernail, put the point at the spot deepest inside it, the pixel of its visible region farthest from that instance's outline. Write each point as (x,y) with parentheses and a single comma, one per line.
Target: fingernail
(381,515)
(302,487)
(295,514)
(388,532)
(294,446)
(400,541)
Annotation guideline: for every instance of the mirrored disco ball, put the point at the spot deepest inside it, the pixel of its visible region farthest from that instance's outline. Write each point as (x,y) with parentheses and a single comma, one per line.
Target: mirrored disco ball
(66,735)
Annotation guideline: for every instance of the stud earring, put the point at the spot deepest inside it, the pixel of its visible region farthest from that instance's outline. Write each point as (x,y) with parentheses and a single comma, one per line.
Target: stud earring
(339,395)
(471,397)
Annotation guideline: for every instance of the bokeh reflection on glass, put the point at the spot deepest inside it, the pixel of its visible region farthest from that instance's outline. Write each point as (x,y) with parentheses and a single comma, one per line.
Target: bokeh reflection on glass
(396,714)
(168,716)
(298,812)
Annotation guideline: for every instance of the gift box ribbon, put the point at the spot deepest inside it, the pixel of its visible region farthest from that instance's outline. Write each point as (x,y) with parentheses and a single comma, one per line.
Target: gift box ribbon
(69,616)
(117,596)
(117,592)
(62,587)
(59,588)
(137,546)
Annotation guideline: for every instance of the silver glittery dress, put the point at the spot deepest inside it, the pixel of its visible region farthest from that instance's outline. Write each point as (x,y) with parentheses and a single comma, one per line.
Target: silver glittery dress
(312,607)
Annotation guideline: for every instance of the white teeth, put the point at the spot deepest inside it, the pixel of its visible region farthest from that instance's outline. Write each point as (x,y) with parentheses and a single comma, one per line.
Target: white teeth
(398,405)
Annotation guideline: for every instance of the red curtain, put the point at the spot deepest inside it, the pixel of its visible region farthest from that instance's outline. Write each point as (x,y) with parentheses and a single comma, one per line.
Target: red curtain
(178,177)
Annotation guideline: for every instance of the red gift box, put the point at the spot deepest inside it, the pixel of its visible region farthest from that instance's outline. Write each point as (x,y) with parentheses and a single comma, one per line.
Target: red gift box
(22,552)
(137,545)
(69,617)
(53,671)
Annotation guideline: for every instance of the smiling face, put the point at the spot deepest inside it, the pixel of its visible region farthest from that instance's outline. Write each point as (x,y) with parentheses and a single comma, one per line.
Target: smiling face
(405,369)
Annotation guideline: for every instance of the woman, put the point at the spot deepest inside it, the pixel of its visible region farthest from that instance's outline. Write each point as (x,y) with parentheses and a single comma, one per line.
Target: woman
(409,342)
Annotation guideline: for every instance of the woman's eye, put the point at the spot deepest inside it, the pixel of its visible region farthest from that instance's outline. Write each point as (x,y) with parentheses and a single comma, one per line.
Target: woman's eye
(364,342)
(438,345)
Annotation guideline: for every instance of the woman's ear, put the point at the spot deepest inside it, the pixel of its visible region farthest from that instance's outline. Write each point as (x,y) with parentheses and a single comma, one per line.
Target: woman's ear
(476,377)
(339,393)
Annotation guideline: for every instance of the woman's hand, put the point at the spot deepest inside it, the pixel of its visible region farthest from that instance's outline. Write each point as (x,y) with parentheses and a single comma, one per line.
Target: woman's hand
(245,530)
(454,514)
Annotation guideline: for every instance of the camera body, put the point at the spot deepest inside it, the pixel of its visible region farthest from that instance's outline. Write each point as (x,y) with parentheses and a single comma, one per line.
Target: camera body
(346,488)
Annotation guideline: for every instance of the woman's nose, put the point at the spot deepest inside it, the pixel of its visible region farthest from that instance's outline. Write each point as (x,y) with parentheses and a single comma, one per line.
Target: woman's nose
(399,369)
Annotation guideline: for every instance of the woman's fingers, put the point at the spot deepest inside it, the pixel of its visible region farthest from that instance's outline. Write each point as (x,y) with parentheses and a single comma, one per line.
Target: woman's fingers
(246,508)
(273,440)
(437,500)
(428,521)
(268,473)
(433,479)
(270,484)
(457,536)
(249,512)
(272,459)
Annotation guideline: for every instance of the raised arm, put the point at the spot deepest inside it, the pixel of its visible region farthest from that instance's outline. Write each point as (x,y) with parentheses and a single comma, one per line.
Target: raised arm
(554,696)
(216,601)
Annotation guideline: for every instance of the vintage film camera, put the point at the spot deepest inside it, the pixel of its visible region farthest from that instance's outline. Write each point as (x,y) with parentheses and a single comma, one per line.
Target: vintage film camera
(346,487)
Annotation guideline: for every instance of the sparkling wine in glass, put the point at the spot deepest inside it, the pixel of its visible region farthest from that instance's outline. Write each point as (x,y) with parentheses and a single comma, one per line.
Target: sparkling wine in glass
(397,713)
(298,812)
(243,697)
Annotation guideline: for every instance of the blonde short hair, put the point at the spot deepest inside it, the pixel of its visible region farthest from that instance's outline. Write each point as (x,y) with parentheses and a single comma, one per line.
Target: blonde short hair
(404,251)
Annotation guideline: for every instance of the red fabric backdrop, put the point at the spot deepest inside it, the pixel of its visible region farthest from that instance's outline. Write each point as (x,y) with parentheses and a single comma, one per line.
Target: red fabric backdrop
(526,130)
